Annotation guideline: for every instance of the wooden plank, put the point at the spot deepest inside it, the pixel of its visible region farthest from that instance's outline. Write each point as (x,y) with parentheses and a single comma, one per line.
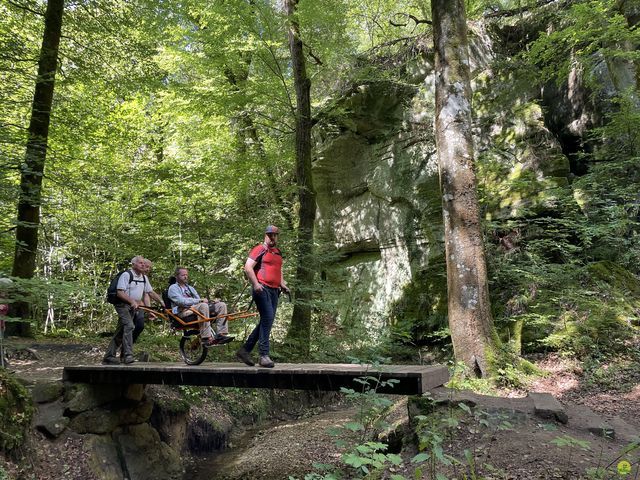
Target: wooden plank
(412,379)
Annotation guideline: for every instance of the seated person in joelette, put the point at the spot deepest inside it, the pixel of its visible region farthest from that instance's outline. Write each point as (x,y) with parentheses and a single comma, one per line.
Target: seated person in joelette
(184,298)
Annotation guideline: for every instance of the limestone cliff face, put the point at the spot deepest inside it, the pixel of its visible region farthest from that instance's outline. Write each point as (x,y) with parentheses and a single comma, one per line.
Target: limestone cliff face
(378,203)
(376,178)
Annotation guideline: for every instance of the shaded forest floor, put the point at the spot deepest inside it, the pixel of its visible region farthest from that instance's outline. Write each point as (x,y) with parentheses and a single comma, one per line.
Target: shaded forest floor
(487,444)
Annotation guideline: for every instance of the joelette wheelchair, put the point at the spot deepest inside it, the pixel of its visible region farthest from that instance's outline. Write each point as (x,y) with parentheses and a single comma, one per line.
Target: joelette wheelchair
(192,350)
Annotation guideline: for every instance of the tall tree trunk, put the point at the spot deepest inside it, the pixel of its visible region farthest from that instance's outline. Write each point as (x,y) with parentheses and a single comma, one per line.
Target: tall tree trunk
(248,135)
(470,321)
(32,170)
(299,334)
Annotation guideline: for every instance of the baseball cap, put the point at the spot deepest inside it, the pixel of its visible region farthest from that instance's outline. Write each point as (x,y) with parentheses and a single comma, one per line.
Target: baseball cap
(271,229)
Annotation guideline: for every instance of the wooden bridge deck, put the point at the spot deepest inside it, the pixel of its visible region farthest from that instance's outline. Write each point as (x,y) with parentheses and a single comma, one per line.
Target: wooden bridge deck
(412,379)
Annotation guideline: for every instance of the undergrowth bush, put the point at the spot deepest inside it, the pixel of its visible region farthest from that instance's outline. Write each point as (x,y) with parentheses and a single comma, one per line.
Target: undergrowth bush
(566,279)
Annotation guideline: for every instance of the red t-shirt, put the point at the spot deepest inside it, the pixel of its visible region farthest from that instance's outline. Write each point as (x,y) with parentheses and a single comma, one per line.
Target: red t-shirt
(270,271)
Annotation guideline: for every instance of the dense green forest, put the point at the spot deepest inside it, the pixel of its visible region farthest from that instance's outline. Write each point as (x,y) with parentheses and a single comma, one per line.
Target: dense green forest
(177,131)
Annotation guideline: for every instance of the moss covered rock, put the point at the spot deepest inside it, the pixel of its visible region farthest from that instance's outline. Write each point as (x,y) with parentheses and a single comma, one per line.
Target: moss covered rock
(16,411)
(82,397)
(101,453)
(600,314)
(617,278)
(97,421)
(47,391)
(146,456)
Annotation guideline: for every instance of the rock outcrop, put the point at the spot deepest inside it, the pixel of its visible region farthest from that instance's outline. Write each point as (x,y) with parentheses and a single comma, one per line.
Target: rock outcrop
(376,175)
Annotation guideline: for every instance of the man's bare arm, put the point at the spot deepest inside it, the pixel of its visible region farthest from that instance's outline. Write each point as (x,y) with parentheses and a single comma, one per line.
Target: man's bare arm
(123,296)
(283,284)
(251,274)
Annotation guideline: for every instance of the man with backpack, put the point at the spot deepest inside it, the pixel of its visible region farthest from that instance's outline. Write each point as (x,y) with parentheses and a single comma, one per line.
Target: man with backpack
(126,293)
(264,271)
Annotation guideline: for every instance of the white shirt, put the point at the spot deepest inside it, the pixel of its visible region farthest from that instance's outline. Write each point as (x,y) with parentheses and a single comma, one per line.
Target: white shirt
(138,286)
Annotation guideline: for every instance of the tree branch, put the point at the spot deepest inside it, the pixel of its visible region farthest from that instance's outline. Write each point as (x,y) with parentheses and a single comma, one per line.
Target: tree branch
(22,127)
(392,42)
(24,7)
(289,128)
(17,59)
(312,55)
(415,19)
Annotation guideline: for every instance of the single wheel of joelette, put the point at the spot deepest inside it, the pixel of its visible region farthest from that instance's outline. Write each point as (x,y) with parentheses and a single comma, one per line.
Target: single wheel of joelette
(191,349)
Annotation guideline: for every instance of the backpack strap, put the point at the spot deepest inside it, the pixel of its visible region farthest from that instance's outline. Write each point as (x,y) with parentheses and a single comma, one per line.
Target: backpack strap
(258,264)
(131,280)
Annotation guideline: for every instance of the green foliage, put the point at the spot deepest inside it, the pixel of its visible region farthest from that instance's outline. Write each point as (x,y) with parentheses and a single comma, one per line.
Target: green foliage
(620,467)
(175,405)
(172,138)
(191,394)
(422,307)
(588,31)
(619,143)
(476,8)
(433,430)
(511,370)
(571,443)
(557,252)
(363,456)
(372,406)
(50,294)
(3,474)
(15,412)
(544,275)
(243,403)
(459,380)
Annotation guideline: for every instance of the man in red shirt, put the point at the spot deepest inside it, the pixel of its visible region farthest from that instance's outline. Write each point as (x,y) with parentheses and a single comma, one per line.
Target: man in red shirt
(264,270)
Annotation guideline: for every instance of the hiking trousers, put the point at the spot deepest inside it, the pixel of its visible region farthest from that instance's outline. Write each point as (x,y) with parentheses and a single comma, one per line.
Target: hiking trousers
(123,337)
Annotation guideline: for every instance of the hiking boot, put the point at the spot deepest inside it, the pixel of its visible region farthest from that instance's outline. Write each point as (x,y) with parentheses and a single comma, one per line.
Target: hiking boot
(266,362)
(209,342)
(224,339)
(129,359)
(110,361)
(245,357)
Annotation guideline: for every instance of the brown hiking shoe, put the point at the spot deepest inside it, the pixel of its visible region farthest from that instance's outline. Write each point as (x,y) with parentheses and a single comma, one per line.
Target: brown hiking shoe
(209,342)
(266,362)
(110,361)
(129,359)
(224,339)
(244,356)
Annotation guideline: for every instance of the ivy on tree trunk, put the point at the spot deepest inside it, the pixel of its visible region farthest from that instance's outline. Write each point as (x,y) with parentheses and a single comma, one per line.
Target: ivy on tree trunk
(472,331)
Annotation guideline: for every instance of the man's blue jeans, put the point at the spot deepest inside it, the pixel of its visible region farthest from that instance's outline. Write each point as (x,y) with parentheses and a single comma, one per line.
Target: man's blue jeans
(267,304)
